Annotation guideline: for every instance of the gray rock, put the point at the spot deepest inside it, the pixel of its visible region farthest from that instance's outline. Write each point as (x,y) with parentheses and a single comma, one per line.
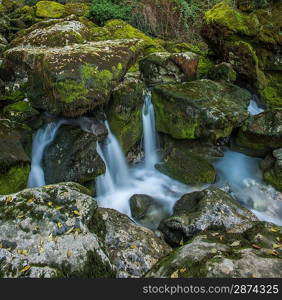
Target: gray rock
(139,205)
(132,249)
(73,157)
(47,232)
(200,211)
(220,254)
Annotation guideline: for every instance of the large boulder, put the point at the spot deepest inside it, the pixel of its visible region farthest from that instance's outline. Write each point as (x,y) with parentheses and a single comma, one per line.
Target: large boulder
(49,9)
(211,208)
(215,254)
(125,112)
(72,156)
(164,67)
(132,249)
(47,232)
(200,108)
(74,79)
(251,42)
(262,133)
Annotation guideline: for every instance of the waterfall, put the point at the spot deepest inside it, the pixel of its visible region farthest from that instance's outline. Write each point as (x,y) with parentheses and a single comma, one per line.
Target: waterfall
(253,108)
(43,138)
(149,132)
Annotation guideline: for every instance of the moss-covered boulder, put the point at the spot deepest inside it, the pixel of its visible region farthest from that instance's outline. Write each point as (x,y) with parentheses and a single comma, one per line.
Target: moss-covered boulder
(262,133)
(72,156)
(223,71)
(200,211)
(74,79)
(49,9)
(132,249)
(164,67)
(21,112)
(272,169)
(125,112)
(251,42)
(47,232)
(200,108)
(216,254)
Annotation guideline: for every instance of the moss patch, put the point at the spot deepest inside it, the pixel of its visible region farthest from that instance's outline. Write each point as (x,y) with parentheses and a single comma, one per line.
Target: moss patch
(49,9)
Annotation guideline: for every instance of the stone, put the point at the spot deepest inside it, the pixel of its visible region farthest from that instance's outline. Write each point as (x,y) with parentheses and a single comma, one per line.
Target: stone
(49,9)
(132,249)
(47,232)
(211,208)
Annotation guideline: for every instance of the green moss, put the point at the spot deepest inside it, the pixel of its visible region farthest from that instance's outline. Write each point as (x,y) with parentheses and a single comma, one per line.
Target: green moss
(71,90)
(49,9)
(272,93)
(14,180)
(233,20)
(78,9)
(205,65)
(270,177)
(13,96)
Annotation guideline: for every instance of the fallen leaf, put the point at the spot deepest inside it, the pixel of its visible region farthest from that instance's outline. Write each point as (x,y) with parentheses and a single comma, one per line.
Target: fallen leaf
(273,229)
(69,253)
(215,234)
(235,244)
(60,225)
(174,274)
(29,201)
(9,198)
(182,270)
(50,203)
(70,230)
(26,268)
(256,246)
(277,246)
(76,212)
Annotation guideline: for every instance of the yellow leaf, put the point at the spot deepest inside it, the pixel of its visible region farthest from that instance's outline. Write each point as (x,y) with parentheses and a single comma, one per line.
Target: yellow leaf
(60,225)
(69,253)
(9,198)
(70,230)
(1,246)
(183,270)
(277,246)
(76,212)
(174,274)
(278,239)
(273,229)
(29,201)
(133,246)
(50,203)
(26,268)
(20,217)
(22,251)
(59,207)
(235,244)
(181,243)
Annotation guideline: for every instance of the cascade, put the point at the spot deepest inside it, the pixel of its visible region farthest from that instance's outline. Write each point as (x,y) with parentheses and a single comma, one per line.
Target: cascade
(253,108)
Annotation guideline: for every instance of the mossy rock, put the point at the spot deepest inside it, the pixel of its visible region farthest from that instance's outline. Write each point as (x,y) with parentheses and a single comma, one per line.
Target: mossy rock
(20,111)
(125,112)
(261,133)
(78,9)
(200,108)
(14,180)
(49,9)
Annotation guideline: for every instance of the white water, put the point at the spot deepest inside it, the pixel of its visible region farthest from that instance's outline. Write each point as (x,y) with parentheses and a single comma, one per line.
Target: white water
(43,137)
(120,182)
(253,108)
(243,176)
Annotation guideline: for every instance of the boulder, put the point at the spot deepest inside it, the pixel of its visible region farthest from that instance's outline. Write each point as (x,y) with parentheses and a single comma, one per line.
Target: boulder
(223,71)
(132,249)
(49,9)
(211,208)
(140,205)
(200,108)
(47,232)
(272,169)
(125,112)
(74,79)
(164,67)
(262,133)
(72,156)
(251,42)
(224,255)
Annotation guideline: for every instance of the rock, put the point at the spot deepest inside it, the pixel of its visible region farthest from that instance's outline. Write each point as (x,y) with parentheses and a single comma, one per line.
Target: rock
(47,232)
(164,67)
(125,112)
(139,205)
(21,112)
(223,71)
(80,77)
(73,157)
(251,42)
(212,255)
(200,211)
(272,169)
(199,108)
(49,9)
(132,249)
(262,133)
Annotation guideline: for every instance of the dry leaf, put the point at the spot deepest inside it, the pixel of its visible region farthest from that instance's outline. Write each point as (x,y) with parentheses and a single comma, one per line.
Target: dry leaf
(277,246)
(235,244)
(50,203)
(273,229)
(256,246)
(69,253)
(26,268)
(174,274)
(60,225)
(76,212)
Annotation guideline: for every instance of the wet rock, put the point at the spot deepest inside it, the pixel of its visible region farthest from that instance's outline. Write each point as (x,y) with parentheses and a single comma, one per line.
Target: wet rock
(262,133)
(272,167)
(219,254)
(52,232)
(125,112)
(211,208)
(164,67)
(200,108)
(223,71)
(73,157)
(139,205)
(132,249)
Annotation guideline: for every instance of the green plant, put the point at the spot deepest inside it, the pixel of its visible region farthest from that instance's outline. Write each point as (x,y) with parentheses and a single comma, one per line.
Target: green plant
(104,10)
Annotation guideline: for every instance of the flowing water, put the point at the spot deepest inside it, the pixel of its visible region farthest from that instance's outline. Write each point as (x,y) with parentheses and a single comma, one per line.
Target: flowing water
(237,173)
(253,108)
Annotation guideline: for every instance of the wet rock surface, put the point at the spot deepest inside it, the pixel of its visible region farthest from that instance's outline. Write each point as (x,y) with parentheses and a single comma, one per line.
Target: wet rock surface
(200,211)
